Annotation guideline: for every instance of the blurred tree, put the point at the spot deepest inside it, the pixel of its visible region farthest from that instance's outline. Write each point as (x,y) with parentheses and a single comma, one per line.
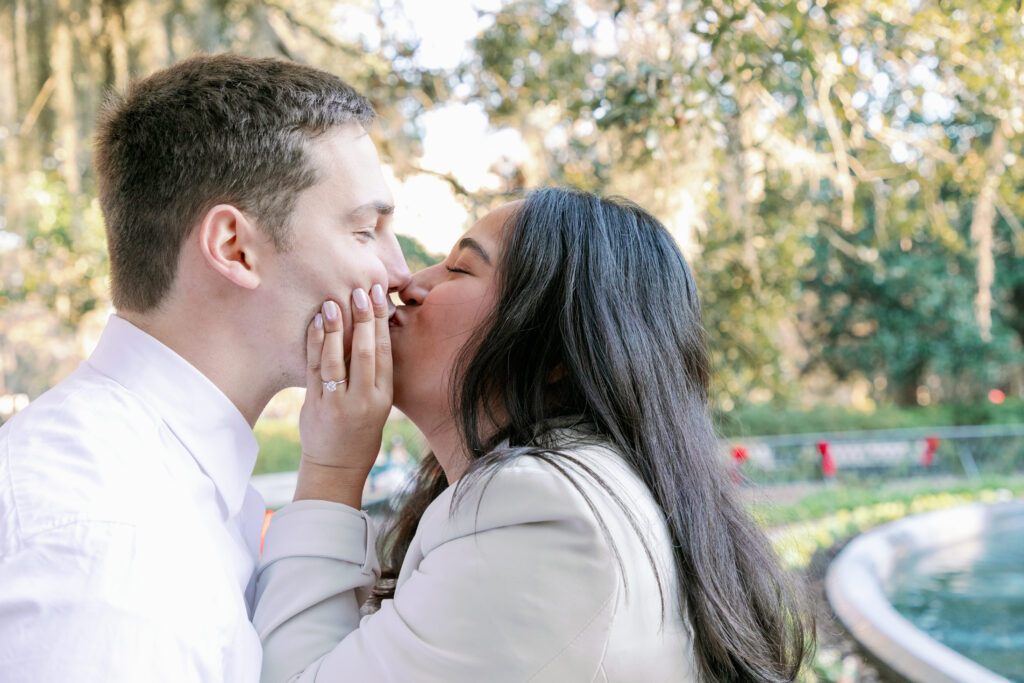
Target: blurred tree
(57,59)
(416,254)
(793,148)
(765,135)
(904,320)
(915,289)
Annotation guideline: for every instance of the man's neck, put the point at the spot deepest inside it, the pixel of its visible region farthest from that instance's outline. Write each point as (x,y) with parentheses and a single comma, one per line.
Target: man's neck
(215,352)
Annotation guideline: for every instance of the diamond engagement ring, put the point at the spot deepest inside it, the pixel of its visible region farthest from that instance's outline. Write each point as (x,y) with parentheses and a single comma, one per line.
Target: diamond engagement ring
(333,385)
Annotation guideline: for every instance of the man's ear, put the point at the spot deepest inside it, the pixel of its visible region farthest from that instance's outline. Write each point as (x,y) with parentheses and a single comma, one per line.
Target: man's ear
(230,243)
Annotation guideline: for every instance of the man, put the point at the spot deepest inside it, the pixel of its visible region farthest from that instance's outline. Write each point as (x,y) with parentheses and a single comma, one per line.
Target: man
(239,195)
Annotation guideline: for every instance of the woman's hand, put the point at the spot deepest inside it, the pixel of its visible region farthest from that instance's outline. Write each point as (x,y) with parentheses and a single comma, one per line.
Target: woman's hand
(342,419)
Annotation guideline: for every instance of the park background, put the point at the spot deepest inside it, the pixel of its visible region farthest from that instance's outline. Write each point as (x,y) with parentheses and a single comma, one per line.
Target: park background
(846,179)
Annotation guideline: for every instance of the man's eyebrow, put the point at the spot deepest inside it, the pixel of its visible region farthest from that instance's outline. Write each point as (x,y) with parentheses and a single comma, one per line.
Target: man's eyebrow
(381,208)
(470,243)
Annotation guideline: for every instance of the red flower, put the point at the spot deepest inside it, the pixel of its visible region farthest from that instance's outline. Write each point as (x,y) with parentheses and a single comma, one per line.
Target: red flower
(828,464)
(931,444)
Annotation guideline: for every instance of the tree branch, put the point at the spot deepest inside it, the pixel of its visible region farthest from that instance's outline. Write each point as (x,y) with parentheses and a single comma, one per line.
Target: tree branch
(315,32)
(37,105)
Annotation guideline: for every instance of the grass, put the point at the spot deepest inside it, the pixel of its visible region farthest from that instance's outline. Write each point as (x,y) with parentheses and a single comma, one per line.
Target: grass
(829,501)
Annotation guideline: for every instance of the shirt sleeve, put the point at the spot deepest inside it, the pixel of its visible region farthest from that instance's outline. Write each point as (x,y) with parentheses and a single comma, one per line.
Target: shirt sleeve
(518,583)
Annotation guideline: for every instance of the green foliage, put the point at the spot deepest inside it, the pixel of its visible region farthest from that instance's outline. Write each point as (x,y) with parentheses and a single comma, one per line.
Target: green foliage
(897,304)
(800,147)
(281,448)
(64,262)
(416,255)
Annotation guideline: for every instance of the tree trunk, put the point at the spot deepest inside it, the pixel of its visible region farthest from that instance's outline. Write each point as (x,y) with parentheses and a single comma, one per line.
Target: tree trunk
(737,179)
(906,386)
(22,66)
(168,22)
(880,206)
(11,185)
(117,51)
(842,177)
(981,232)
(68,149)
(40,40)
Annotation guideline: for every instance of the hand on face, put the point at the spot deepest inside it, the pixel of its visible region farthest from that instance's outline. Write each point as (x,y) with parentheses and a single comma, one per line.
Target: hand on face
(343,416)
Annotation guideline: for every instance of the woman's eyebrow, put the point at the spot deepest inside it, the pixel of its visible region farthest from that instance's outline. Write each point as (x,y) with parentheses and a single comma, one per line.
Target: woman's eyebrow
(470,243)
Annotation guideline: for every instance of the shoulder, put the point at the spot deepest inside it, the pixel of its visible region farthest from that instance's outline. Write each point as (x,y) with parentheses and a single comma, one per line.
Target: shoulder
(88,406)
(585,496)
(577,489)
(525,490)
(72,451)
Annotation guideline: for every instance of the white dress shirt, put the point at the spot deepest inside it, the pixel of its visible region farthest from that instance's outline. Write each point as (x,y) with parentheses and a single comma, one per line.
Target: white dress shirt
(128,530)
(519,584)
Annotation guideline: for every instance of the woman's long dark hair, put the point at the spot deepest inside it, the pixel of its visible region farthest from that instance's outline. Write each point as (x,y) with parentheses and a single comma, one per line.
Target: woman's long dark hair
(598,322)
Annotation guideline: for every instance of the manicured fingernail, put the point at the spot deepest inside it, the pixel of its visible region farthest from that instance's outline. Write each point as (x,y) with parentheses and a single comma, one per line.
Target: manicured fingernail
(359,299)
(318,322)
(377,293)
(331,310)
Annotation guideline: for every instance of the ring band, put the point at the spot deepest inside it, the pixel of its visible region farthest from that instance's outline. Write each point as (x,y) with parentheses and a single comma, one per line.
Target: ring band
(333,385)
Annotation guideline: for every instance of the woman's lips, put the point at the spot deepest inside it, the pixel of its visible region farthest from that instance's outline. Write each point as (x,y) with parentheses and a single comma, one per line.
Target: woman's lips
(394,320)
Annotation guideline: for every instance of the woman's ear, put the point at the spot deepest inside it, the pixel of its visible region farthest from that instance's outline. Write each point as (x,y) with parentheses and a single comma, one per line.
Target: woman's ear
(230,242)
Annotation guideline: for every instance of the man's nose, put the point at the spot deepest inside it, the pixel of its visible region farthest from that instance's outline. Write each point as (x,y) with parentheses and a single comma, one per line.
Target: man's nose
(395,265)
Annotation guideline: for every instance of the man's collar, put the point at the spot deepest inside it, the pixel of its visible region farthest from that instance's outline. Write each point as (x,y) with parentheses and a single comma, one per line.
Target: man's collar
(205,421)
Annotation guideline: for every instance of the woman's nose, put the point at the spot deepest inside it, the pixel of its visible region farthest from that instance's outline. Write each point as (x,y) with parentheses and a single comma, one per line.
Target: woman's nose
(417,288)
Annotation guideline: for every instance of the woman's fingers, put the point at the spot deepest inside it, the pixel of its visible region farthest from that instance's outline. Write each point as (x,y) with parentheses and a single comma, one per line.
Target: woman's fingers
(361,361)
(332,360)
(383,337)
(314,347)
(341,426)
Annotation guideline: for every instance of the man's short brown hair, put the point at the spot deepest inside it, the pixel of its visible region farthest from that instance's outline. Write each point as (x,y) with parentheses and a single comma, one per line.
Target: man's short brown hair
(208,130)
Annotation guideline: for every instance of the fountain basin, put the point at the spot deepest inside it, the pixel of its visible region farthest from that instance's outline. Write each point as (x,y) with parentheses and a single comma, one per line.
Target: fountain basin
(921,563)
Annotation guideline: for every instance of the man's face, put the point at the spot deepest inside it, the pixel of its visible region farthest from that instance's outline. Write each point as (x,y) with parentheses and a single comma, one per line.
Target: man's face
(341,239)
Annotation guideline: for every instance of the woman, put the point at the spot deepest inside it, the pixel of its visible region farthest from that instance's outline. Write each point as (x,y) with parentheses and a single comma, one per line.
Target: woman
(573,522)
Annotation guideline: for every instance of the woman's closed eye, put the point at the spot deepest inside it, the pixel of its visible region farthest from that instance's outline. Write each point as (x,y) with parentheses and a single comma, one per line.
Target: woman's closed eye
(457,269)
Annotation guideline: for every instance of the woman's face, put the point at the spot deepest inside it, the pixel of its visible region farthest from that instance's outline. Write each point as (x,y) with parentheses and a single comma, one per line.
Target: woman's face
(444,305)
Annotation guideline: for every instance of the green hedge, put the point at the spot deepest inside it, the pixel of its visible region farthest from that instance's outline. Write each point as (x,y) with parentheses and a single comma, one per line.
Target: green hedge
(769,420)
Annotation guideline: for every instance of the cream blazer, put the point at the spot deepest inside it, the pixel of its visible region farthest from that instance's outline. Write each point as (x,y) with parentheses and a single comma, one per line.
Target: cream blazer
(519,583)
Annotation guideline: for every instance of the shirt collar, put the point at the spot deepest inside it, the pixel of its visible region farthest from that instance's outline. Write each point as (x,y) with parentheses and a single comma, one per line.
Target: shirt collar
(205,420)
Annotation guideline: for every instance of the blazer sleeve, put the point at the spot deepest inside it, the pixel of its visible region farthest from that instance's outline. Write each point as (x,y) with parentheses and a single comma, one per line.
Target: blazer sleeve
(518,583)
